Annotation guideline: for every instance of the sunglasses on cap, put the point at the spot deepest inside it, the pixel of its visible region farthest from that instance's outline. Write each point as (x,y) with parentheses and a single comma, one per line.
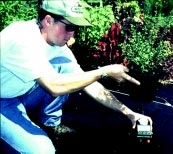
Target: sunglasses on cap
(69,27)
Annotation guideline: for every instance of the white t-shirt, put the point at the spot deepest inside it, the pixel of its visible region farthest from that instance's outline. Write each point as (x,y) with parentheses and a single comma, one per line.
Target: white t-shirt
(25,56)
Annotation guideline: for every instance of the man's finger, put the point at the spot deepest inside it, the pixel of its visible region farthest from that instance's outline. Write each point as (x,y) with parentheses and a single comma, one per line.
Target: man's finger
(125,69)
(131,79)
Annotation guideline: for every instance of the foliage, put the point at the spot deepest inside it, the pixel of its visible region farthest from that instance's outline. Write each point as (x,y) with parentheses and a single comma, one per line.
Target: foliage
(11,11)
(86,38)
(167,65)
(137,42)
(108,51)
(101,18)
(157,7)
(146,48)
(116,22)
(127,9)
(91,38)
(143,52)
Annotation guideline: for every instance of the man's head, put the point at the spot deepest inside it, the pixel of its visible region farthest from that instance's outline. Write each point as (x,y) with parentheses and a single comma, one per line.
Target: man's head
(58,20)
(71,10)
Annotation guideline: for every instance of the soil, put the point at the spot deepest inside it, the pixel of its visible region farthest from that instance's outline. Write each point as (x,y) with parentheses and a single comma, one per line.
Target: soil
(103,131)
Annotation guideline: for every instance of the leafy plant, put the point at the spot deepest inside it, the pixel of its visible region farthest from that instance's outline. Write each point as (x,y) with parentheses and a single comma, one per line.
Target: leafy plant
(144,50)
(139,43)
(108,51)
(11,11)
(167,66)
(101,18)
(157,7)
(87,38)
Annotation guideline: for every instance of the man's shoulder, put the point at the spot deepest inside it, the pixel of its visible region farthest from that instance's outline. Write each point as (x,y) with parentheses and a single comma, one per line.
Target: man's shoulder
(20,23)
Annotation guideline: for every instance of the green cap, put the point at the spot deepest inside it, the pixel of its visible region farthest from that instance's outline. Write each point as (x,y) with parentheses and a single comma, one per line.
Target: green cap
(71,10)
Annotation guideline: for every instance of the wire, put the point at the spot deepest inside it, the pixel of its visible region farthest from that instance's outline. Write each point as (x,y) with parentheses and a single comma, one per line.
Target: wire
(118,92)
(166,103)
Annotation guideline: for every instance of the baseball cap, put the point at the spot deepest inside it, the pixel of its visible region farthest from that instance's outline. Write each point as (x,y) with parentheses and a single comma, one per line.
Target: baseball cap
(71,10)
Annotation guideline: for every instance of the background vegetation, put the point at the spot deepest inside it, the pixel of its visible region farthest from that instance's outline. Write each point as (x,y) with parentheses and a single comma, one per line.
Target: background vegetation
(112,21)
(15,10)
(131,18)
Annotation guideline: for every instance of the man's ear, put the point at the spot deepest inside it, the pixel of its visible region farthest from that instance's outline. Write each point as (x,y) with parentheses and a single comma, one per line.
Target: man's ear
(48,20)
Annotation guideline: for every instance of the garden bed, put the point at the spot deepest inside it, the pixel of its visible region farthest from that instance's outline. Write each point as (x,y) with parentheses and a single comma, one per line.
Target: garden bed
(105,131)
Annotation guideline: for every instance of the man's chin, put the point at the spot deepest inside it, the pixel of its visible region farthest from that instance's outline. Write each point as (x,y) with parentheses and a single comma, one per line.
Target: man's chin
(60,45)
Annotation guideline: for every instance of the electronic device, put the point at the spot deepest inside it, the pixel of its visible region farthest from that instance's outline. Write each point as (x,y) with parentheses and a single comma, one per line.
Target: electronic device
(144,129)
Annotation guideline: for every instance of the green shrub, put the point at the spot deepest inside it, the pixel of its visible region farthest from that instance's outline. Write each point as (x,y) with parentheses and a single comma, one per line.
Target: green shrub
(146,49)
(101,19)
(157,7)
(11,11)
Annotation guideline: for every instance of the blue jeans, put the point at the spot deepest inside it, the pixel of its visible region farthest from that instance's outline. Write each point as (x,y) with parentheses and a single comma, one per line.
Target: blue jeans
(17,128)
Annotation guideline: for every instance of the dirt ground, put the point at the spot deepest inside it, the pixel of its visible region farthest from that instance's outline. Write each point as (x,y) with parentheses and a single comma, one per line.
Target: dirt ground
(103,131)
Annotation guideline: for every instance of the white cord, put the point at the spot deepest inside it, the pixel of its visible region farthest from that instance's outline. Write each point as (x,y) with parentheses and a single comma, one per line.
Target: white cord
(166,103)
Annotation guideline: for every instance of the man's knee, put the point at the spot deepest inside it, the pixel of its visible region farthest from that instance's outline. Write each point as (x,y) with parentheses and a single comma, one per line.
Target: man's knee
(41,145)
(44,146)
(47,149)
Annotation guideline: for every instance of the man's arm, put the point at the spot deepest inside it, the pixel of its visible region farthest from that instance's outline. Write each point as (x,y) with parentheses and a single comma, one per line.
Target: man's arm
(106,98)
(58,84)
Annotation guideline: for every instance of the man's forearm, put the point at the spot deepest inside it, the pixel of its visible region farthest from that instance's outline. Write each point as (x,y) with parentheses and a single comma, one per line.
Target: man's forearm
(58,84)
(106,98)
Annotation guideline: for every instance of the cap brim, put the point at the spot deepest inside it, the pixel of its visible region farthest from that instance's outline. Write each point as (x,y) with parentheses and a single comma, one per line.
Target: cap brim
(78,21)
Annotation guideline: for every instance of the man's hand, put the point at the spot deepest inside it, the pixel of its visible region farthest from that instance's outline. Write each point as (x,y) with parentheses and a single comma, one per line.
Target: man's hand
(134,117)
(119,73)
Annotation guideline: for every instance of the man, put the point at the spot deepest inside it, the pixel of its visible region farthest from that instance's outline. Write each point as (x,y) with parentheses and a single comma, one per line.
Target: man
(39,71)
